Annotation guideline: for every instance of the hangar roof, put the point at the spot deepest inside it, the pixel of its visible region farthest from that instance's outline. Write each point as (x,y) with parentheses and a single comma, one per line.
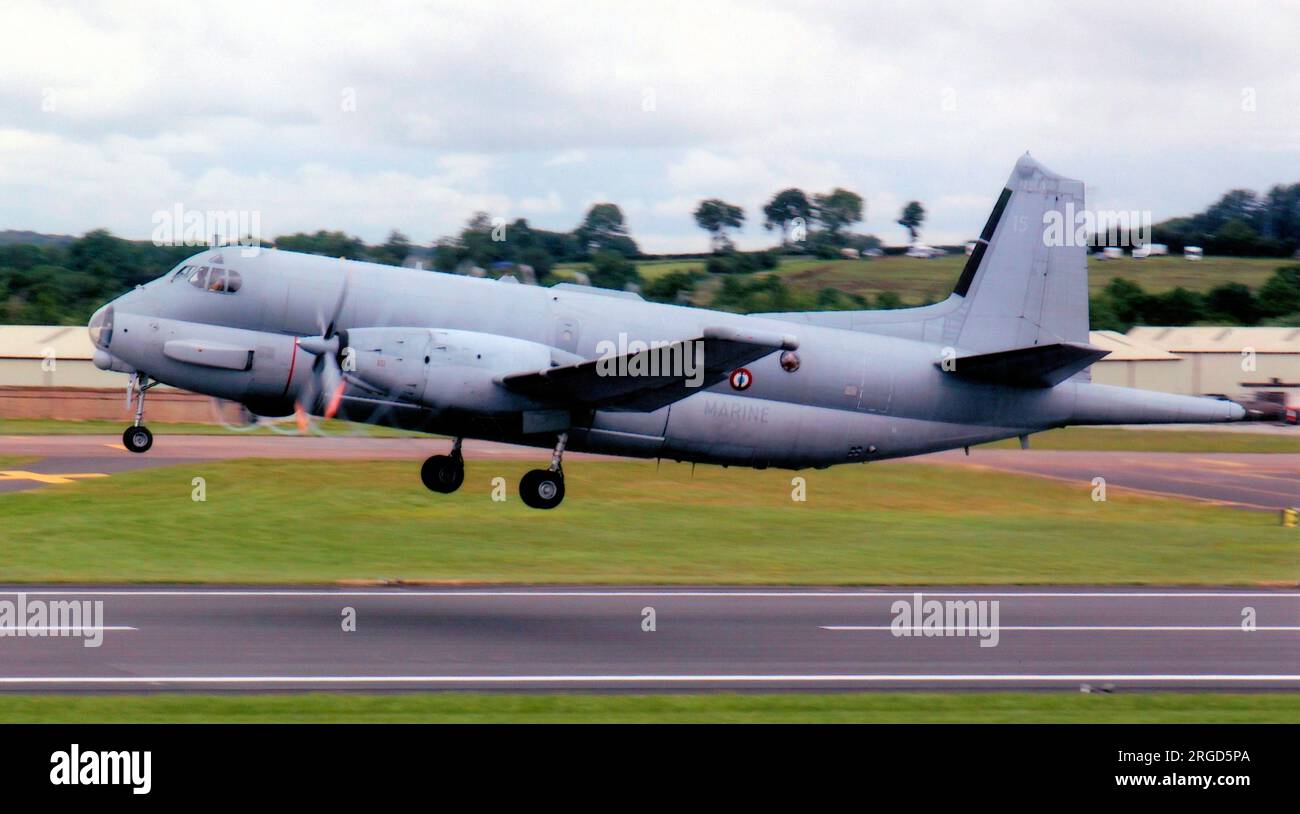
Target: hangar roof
(1127,349)
(1219,339)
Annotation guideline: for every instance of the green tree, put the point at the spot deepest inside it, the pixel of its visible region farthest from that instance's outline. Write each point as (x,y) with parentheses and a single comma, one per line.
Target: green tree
(1280,294)
(912,217)
(837,210)
(716,217)
(1232,302)
(610,269)
(604,230)
(393,251)
(785,208)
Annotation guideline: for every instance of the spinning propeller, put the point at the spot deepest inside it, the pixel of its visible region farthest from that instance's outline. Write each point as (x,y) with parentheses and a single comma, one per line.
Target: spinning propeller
(323,392)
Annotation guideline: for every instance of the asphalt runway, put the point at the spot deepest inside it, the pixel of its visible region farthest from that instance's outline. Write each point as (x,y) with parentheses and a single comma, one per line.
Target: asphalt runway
(1257,481)
(547,639)
(1248,480)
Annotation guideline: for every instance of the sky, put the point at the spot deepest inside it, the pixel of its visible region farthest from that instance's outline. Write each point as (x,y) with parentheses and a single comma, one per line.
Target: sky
(370,116)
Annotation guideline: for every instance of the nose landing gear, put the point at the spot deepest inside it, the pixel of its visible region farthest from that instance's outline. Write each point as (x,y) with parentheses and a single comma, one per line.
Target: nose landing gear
(544,488)
(137,437)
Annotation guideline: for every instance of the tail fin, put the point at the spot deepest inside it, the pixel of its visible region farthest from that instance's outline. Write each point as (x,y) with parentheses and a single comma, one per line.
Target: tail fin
(1016,290)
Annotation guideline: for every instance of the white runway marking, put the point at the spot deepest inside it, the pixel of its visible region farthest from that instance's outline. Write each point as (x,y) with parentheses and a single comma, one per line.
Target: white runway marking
(38,629)
(1089,628)
(667,594)
(647,679)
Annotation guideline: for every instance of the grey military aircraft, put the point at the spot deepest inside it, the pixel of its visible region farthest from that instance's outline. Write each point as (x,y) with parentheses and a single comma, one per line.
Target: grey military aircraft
(568,366)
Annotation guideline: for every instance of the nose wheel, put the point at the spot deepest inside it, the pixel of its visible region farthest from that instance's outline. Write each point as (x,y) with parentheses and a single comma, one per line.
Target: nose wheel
(544,488)
(444,473)
(137,437)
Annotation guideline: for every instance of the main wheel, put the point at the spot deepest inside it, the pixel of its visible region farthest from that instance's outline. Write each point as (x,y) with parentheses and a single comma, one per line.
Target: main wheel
(443,473)
(137,439)
(542,489)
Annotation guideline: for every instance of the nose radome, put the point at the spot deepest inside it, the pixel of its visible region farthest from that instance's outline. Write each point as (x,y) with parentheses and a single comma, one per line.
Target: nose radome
(1236,412)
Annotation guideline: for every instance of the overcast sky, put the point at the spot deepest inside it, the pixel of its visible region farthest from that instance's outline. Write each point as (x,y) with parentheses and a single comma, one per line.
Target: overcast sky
(368,116)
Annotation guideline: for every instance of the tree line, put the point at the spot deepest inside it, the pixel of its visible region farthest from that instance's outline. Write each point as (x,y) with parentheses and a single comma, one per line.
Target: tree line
(61,280)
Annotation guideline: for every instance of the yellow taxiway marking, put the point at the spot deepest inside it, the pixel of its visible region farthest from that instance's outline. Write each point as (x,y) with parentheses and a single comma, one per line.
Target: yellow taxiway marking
(39,477)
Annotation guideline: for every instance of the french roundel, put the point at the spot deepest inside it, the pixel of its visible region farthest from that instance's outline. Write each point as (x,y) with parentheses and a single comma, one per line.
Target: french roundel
(741,379)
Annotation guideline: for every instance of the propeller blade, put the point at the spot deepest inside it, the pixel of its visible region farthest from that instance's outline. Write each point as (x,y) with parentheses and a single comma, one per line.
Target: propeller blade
(338,308)
(332,408)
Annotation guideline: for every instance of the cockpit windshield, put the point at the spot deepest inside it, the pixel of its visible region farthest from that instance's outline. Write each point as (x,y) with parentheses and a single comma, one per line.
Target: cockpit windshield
(211,278)
(101,327)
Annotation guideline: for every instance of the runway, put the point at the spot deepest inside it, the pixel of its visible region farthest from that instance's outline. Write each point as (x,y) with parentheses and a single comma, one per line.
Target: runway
(652,639)
(1256,481)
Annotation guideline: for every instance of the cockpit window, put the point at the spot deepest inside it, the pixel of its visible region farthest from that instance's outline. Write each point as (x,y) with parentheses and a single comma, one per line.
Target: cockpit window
(222,281)
(178,273)
(101,327)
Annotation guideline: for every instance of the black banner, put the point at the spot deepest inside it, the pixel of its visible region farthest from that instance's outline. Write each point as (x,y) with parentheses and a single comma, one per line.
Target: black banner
(142,763)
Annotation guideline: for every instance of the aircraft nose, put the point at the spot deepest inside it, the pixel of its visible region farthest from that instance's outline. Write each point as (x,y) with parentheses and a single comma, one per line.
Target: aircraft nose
(1236,412)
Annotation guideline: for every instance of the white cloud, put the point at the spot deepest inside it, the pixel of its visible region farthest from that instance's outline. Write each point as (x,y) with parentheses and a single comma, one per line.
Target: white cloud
(414,111)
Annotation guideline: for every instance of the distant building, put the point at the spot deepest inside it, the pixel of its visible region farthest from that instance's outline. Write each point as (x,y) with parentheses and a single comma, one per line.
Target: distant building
(51,356)
(1201,360)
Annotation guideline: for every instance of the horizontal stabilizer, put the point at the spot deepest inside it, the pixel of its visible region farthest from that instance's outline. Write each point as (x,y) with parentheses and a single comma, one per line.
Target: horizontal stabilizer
(1034,366)
(645,380)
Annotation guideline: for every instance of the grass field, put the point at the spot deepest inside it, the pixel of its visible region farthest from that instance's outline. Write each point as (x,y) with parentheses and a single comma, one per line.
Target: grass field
(916,280)
(883,707)
(626,522)
(1101,439)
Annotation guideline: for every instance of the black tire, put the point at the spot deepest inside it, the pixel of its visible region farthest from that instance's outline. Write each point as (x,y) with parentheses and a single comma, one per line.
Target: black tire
(443,473)
(542,489)
(137,439)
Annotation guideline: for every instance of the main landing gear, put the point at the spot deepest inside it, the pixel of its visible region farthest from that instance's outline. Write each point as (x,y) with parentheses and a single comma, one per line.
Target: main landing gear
(544,488)
(444,473)
(137,437)
(539,489)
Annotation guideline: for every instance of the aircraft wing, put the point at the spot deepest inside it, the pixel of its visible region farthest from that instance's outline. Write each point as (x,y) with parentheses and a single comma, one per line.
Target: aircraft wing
(652,378)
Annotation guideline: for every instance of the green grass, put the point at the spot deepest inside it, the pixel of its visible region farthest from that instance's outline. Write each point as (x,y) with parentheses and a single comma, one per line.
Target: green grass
(1101,439)
(916,280)
(624,522)
(882,707)
(51,426)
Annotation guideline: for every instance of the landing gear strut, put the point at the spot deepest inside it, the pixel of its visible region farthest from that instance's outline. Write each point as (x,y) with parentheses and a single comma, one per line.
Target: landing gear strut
(444,473)
(137,437)
(544,488)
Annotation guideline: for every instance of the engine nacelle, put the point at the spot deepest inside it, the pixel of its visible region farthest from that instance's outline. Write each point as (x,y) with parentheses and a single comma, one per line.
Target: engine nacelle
(443,369)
